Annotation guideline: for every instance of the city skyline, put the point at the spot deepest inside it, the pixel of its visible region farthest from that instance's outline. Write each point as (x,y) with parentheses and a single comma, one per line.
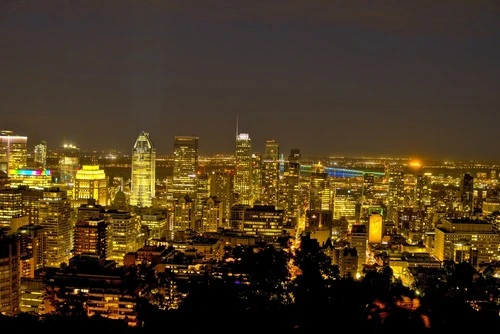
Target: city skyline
(321,76)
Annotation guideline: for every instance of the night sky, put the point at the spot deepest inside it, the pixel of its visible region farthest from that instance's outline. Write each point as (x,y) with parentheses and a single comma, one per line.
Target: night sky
(402,78)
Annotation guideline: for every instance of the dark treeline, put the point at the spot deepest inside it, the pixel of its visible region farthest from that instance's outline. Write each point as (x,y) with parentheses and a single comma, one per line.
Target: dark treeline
(300,293)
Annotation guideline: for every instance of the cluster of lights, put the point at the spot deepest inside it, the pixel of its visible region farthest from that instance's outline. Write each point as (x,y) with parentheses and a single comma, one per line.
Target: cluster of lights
(31,172)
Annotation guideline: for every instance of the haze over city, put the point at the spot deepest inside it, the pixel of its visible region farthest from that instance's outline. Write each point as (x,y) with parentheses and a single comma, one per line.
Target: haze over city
(327,77)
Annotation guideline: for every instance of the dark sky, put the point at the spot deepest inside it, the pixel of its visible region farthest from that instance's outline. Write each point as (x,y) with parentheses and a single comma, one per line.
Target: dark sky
(403,78)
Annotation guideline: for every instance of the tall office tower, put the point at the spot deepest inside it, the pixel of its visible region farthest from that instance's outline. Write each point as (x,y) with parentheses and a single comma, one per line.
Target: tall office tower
(344,204)
(55,217)
(423,190)
(270,173)
(124,232)
(359,240)
(243,170)
(143,171)
(13,151)
(368,184)
(33,239)
(221,186)
(41,154)
(31,204)
(256,177)
(10,278)
(91,238)
(289,188)
(185,166)
(375,228)
(467,194)
(91,183)
(320,194)
(11,206)
(157,225)
(395,194)
(69,162)
(184,214)
(202,193)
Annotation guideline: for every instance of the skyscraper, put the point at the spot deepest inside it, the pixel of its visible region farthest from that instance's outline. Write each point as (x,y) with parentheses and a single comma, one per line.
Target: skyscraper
(143,171)
(289,188)
(243,169)
(13,151)
(467,194)
(41,154)
(270,173)
(69,162)
(91,183)
(185,166)
(55,211)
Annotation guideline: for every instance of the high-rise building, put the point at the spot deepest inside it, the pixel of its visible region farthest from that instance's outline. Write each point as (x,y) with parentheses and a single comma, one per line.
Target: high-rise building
(221,186)
(185,166)
(467,194)
(69,162)
(256,178)
(124,234)
(270,173)
(32,177)
(395,193)
(320,197)
(184,214)
(13,151)
(157,225)
(91,238)
(289,188)
(143,171)
(10,278)
(11,206)
(41,154)
(243,170)
(211,216)
(368,184)
(359,240)
(91,183)
(375,228)
(33,248)
(55,217)
(31,204)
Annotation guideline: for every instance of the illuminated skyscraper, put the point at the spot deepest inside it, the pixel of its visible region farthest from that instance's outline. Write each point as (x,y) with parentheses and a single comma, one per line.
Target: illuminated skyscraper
(91,238)
(375,228)
(243,170)
(41,154)
(13,151)
(55,211)
(185,166)
(124,230)
(320,197)
(69,162)
(221,186)
(91,182)
(11,205)
(270,173)
(289,188)
(143,171)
